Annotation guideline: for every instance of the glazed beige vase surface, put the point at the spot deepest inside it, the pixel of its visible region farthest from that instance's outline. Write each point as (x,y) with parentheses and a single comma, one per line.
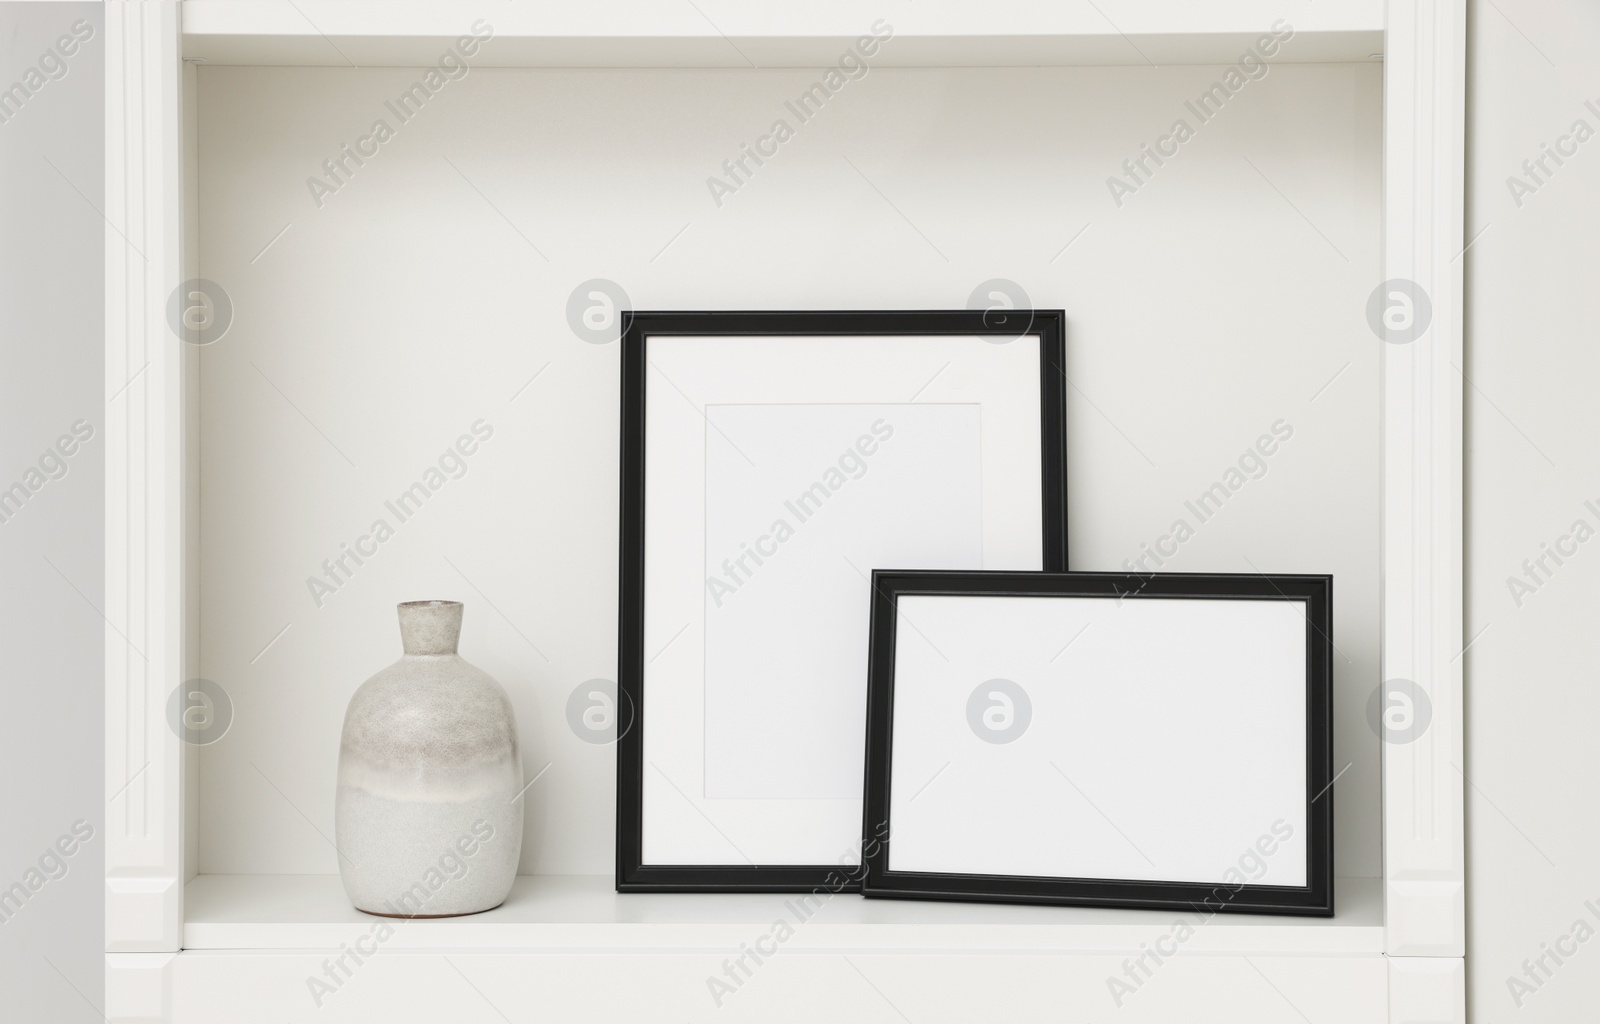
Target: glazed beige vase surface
(428,818)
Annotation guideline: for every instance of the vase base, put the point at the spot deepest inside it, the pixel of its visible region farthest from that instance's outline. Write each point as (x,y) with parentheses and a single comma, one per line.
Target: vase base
(430,917)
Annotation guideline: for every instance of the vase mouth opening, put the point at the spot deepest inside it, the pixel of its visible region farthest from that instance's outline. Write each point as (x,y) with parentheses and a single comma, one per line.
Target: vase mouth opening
(429,627)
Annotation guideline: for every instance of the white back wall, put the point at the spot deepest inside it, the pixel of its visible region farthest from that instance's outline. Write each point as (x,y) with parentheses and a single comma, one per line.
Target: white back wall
(1226,294)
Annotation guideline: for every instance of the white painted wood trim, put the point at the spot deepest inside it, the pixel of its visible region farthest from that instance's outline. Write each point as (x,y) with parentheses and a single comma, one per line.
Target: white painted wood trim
(144,478)
(405,987)
(139,987)
(736,33)
(1424,197)
(652,20)
(1427,990)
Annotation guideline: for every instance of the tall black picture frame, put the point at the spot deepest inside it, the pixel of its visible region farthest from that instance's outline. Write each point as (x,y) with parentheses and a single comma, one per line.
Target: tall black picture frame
(642,383)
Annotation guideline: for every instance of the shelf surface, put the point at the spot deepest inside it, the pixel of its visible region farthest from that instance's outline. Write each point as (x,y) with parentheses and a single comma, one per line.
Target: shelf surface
(583,913)
(738,34)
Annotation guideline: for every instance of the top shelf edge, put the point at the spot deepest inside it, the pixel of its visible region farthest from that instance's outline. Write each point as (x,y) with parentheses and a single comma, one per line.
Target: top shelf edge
(639,34)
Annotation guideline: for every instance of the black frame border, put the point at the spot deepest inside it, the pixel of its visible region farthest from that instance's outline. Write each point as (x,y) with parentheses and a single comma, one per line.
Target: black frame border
(1313,900)
(632,874)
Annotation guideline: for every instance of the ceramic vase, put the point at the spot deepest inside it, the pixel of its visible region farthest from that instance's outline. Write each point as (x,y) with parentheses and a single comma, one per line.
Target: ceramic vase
(428,817)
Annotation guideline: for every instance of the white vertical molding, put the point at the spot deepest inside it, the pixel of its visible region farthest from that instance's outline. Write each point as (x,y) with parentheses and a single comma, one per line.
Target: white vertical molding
(139,988)
(144,478)
(1424,195)
(191,459)
(1427,990)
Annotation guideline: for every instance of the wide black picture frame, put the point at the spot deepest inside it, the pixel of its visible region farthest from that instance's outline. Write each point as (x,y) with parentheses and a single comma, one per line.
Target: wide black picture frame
(1315,899)
(632,873)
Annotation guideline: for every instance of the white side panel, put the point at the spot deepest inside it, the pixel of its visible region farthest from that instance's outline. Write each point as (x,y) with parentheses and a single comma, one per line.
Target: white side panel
(1424,837)
(144,478)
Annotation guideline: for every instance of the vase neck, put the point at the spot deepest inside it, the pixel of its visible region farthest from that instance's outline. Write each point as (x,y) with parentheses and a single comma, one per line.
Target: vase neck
(430,627)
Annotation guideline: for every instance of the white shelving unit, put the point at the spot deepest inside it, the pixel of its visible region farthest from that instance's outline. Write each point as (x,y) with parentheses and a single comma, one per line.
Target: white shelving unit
(221,901)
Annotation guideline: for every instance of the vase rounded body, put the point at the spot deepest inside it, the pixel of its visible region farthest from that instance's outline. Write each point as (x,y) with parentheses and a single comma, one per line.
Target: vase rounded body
(428,819)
